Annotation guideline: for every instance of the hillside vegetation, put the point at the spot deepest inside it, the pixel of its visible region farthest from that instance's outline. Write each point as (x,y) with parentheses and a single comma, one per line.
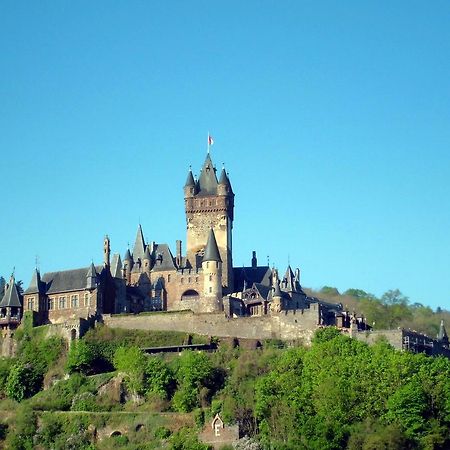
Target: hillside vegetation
(337,394)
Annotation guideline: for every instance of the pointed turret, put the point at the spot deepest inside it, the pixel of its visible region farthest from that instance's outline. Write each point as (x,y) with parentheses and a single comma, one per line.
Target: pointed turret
(289,280)
(106,251)
(277,302)
(116,266)
(36,285)
(127,256)
(190,180)
(207,183)
(91,277)
(11,298)
(212,276)
(442,336)
(211,250)
(146,258)
(276,289)
(139,245)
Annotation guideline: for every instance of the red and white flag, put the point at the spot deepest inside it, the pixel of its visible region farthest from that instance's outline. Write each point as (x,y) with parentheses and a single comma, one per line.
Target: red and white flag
(210,140)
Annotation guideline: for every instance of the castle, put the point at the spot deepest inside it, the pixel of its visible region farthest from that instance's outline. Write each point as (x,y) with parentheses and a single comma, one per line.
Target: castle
(201,281)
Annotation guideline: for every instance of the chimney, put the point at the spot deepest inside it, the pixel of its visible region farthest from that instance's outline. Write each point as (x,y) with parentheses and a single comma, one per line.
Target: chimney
(178,249)
(254,260)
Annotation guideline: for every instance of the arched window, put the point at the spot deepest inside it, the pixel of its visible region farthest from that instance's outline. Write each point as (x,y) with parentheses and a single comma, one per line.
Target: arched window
(190,294)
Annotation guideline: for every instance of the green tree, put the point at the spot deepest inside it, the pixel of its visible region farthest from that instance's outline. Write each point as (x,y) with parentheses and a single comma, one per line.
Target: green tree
(159,378)
(23,381)
(408,407)
(194,370)
(132,362)
(80,357)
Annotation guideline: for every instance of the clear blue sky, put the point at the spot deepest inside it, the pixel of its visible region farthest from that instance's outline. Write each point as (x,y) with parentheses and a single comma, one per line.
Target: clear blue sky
(333,119)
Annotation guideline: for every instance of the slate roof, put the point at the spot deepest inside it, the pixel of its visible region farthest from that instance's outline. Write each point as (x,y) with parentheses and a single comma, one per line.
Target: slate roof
(442,336)
(36,284)
(260,274)
(224,179)
(207,182)
(190,179)
(139,244)
(11,297)
(127,256)
(147,254)
(211,250)
(163,258)
(263,290)
(67,280)
(276,289)
(116,266)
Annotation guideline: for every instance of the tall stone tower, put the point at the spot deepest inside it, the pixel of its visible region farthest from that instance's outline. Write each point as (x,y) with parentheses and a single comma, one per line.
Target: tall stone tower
(209,204)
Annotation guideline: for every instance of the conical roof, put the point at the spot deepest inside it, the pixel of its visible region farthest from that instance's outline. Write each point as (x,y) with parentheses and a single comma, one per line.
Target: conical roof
(276,289)
(91,277)
(211,250)
(147,253)
(36,285)
(442,336)
(116,266)
(92,272)
(127,256)
(190,180)
(11,297)
(139,244)
(224,179)
(290,279)
(207,182)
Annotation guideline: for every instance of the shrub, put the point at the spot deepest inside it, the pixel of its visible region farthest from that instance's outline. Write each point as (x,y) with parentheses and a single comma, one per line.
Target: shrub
(22,382)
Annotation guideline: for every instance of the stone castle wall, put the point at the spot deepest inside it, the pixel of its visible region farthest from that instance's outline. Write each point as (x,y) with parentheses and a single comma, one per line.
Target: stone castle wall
(394,337)
(287,325)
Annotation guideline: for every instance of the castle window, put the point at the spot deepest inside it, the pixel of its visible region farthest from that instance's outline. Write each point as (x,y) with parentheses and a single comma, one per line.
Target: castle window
(210,289)
(168,278)
(62,302)
(196,279)
(181,281)
(74,301)
(86,299)
(189,279)
(210,278)
(51,303)
(207,264)
(30,304)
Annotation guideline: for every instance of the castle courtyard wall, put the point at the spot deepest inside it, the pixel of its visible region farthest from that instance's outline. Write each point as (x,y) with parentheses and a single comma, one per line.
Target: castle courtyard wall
(287,325)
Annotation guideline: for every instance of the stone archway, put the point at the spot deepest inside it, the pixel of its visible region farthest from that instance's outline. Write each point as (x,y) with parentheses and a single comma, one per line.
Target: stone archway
(73,334)
(115,433)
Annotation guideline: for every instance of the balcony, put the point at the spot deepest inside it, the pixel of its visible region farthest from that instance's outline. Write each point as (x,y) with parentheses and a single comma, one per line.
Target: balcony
(9,320)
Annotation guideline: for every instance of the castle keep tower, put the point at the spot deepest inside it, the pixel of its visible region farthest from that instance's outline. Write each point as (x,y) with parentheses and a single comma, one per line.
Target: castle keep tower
(209,204)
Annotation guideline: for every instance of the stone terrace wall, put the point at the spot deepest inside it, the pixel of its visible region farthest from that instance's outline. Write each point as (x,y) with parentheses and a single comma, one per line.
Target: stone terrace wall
(287,325)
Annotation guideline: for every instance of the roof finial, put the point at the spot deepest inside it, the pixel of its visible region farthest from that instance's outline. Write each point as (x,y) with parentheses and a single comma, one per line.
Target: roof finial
(36,262)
